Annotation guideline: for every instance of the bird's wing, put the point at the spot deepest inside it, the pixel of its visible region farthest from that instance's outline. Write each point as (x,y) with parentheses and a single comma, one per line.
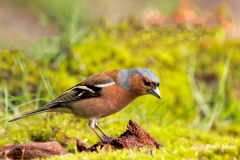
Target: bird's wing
(89,88)
(78,92)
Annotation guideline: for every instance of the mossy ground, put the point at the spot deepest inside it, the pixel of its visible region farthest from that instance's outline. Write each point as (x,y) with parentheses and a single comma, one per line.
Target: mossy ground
(177,121)
(180,141)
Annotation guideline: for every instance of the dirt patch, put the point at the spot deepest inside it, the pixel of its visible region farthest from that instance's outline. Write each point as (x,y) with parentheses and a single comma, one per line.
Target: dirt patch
(32,150)
(134,137)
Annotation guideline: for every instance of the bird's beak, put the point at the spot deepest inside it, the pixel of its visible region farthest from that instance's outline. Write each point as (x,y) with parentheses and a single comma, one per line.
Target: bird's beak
(155,91)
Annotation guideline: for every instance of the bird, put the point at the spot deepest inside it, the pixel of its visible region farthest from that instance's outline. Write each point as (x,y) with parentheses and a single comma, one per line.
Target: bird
(101,95)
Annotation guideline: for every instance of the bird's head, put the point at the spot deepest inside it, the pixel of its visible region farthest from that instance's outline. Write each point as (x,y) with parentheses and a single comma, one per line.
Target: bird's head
(141,81)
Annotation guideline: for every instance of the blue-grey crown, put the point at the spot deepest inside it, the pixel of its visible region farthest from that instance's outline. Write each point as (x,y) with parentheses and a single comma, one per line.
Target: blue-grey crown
(124,76)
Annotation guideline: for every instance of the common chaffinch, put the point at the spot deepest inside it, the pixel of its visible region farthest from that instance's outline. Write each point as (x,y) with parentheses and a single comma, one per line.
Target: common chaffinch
(103,94)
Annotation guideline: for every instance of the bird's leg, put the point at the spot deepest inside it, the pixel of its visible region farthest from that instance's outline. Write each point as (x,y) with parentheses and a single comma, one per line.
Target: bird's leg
(92,124)
(104,133)
(107,138)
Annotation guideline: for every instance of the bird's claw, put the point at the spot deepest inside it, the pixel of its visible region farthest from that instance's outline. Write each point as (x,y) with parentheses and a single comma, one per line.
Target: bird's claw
(107,139)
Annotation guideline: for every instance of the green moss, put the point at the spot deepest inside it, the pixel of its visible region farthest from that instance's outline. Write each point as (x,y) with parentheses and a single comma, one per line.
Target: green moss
(179,141)
(179,121)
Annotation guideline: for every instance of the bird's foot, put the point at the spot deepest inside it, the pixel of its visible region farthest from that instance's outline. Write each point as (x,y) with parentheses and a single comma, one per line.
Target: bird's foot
(107,139)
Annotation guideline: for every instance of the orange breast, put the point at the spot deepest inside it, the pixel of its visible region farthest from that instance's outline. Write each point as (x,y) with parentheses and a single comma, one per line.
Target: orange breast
(113,100)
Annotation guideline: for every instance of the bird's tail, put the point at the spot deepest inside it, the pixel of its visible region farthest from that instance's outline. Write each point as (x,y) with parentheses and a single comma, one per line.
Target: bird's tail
(46,108)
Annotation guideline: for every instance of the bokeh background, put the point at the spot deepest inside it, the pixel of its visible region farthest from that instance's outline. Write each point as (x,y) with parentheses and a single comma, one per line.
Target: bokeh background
(22,23)
(193,46)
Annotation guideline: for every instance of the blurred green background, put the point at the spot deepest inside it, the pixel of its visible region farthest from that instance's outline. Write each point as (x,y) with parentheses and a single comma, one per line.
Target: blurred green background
(48,46)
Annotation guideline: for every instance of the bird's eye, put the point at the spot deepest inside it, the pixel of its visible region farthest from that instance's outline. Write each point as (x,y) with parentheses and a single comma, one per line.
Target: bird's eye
(147,83)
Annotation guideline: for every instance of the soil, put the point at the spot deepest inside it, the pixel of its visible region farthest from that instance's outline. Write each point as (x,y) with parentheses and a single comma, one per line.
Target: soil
(32,150)
(133,137)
